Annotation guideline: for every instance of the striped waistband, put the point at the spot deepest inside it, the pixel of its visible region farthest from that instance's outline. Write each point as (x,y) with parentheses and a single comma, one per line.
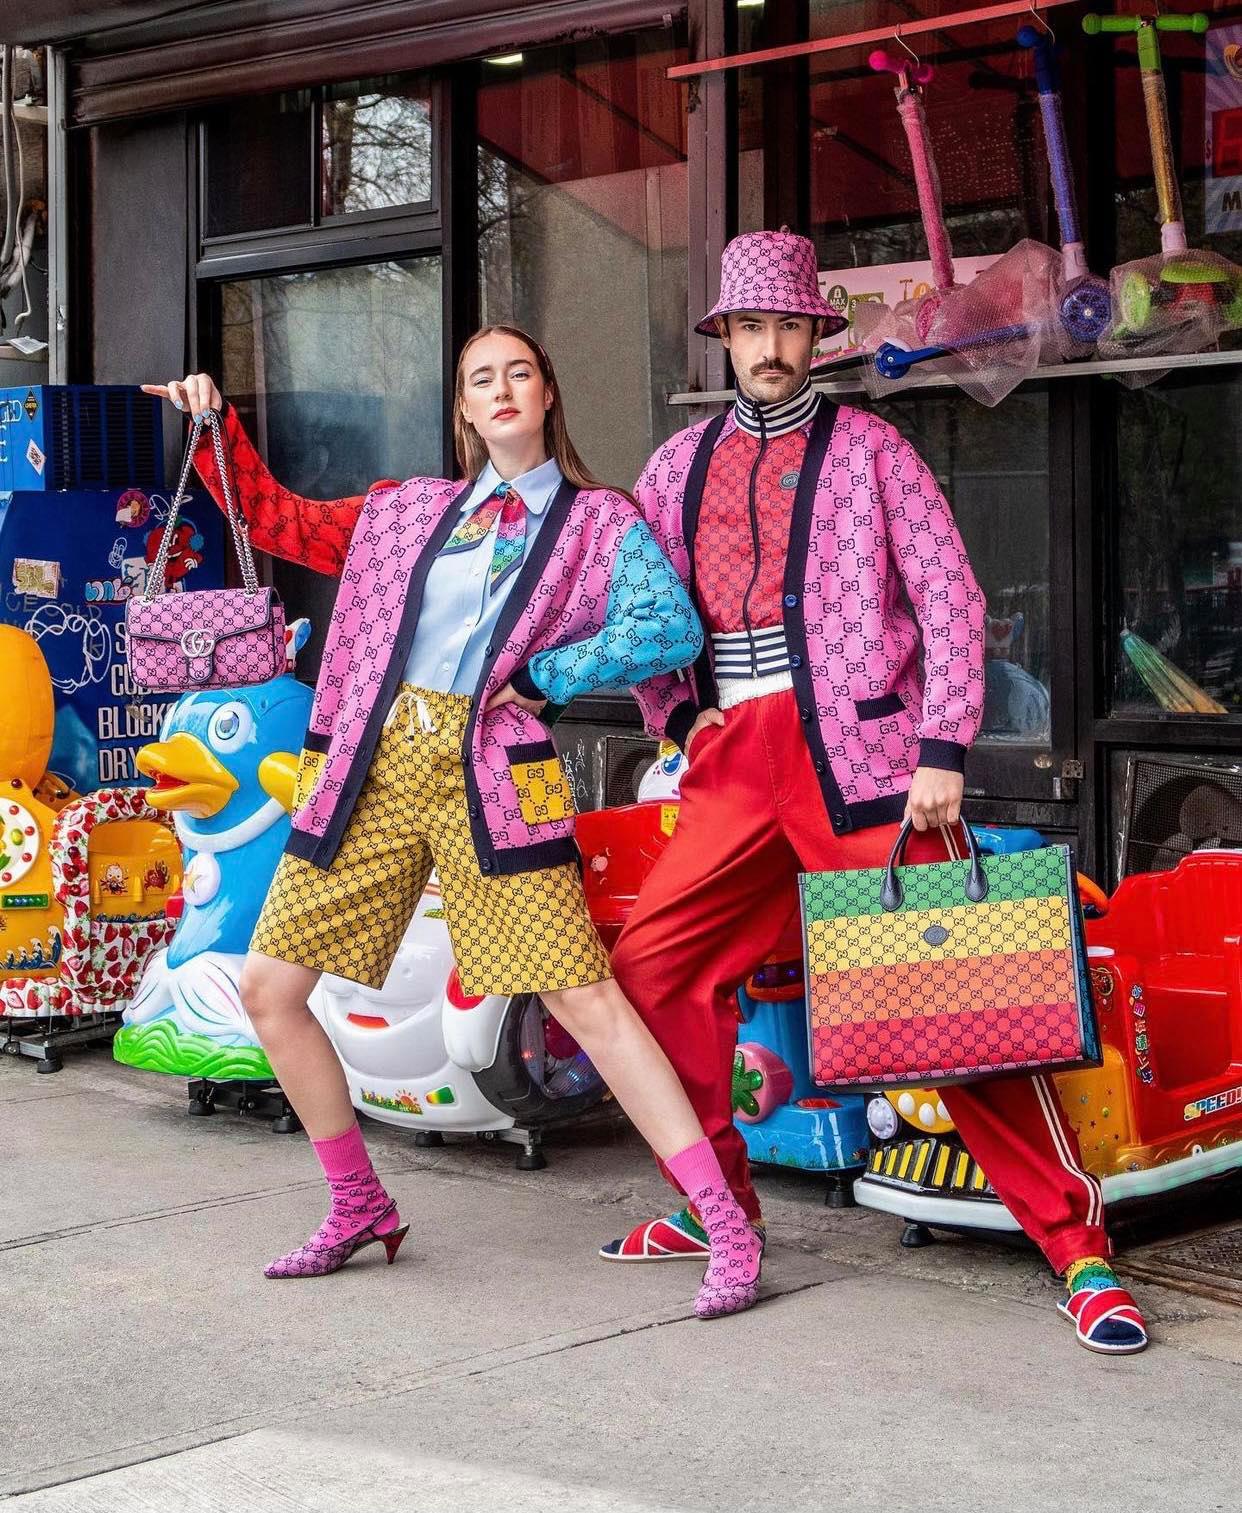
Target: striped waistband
(750,654)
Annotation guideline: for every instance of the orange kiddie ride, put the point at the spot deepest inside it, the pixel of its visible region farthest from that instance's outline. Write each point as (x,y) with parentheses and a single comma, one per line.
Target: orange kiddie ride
(1164,1109)
(83,881)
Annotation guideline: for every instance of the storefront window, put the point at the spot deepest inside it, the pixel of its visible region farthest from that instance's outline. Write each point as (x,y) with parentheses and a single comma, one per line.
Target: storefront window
(376,147)
(258,168)
(1178,619)
(583,230)
(337,377)
(993,467)
(265,171)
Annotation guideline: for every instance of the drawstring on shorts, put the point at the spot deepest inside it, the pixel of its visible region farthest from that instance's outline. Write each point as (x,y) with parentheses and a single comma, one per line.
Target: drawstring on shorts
(415,709)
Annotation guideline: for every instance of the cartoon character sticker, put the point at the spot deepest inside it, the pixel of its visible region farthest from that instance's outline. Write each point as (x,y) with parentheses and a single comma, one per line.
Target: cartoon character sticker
(133,509)
(185,553)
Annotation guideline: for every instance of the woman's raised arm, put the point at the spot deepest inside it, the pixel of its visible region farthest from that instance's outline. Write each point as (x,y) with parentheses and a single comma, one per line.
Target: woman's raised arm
(312,532)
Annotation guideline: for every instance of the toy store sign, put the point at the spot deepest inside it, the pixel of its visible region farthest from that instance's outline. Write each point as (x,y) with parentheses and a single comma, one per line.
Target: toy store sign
(1222,188)
(848,289)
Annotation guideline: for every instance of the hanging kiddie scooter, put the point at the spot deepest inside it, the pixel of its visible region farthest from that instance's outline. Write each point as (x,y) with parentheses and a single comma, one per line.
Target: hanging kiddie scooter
(1181,300)
(1068,312)
(1083,308)
(985,336)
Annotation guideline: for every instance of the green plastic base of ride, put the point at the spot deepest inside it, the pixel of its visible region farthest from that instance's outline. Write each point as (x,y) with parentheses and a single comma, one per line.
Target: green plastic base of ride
(162,1047)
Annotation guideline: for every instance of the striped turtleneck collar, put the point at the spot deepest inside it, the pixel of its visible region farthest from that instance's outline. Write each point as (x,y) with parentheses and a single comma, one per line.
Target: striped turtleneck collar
(769,421)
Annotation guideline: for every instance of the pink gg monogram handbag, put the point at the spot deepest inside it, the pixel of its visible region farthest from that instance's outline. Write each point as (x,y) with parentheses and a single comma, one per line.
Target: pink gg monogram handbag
(216,638)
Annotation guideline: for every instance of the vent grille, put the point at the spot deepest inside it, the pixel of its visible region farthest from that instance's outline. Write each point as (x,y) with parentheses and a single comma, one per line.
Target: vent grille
(103,438)
(1175,806)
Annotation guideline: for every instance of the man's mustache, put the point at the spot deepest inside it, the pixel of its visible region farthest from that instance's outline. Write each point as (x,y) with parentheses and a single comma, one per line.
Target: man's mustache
(770,367)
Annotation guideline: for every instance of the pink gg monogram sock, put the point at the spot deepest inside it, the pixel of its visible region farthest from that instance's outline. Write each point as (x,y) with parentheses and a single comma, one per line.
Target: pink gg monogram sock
(361,1211)
(731,1281)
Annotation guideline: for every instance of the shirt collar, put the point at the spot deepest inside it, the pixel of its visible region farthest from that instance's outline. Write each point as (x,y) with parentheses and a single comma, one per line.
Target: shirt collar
(537,487)
(775,420)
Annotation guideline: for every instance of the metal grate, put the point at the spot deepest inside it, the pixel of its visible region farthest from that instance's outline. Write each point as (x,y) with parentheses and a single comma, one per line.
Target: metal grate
(1176,806)
(103,438)
(1207,1264)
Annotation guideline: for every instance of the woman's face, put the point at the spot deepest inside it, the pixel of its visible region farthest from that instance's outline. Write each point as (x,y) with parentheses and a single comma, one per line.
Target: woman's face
(503,393)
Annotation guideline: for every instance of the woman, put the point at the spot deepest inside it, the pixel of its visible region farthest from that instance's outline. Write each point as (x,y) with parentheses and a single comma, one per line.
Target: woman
(464,609)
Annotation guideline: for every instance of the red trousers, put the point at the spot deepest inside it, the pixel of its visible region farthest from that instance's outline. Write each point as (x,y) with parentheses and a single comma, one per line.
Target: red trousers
(718,901)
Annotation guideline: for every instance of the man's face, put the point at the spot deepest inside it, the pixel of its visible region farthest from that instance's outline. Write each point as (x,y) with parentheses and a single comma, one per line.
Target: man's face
(771,353)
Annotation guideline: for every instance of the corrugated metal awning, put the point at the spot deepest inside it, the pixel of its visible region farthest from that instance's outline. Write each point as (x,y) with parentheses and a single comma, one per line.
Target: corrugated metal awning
(199,54)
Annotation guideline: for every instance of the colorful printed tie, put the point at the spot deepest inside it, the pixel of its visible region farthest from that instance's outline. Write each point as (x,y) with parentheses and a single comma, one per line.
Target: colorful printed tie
(510,544)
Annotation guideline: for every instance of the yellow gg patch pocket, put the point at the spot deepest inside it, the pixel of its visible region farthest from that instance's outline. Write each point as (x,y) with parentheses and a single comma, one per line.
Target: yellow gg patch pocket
(543,789)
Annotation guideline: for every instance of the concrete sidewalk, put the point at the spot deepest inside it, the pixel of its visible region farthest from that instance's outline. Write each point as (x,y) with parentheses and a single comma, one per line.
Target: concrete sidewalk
(148,1365)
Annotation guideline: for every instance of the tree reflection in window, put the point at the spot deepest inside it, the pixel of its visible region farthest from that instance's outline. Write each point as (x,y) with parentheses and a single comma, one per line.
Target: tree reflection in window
(376,146)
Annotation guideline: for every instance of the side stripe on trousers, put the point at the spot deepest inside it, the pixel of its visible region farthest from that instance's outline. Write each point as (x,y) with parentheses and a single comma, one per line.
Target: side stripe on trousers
(1045,1095)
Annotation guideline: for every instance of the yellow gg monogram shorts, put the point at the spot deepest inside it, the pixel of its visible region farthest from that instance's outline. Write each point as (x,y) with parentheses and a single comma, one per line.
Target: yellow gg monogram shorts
(526,933)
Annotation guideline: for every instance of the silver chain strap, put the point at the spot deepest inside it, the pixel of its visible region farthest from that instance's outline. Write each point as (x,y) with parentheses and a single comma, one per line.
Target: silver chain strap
(237,524)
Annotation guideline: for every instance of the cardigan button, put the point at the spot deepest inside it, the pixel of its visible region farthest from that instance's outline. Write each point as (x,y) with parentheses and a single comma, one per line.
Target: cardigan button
(485,866)
(488,650)
(838,820)
(805,713)
(791,601)
(819,767)
(473,811)
(795,661)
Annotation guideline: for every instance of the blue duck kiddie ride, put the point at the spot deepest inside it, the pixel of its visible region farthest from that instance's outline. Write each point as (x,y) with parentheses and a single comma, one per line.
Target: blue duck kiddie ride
(225,766)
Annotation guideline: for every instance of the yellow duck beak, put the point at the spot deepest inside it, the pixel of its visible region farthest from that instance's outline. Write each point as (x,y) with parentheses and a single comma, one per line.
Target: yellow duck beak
(187,776)
(278,777)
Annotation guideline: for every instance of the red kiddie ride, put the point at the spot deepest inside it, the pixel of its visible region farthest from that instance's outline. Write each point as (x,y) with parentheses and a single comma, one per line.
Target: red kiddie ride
(1163,1110)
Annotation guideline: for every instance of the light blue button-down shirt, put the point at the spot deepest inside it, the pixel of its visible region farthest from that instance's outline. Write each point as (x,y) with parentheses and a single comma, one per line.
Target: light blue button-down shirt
(458,616)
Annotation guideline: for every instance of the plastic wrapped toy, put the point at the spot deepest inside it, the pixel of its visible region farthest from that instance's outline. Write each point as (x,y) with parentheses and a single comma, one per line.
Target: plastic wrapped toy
(984,336)
(1181,299)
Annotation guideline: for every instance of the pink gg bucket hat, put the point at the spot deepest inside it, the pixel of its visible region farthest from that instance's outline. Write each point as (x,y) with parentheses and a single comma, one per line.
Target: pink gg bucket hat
(772,271)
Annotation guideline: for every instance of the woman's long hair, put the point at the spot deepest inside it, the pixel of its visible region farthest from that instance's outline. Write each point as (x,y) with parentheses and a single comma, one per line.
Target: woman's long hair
(470,447)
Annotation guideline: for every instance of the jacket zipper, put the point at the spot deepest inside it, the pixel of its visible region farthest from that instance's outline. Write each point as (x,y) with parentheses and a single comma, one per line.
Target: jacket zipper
(754,540)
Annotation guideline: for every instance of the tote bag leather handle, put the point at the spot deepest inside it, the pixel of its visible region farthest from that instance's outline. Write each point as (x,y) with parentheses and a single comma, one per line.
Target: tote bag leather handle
(891,891)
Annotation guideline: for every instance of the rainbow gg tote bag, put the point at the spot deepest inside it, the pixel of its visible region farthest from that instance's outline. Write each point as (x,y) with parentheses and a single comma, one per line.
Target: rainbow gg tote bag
(946,971)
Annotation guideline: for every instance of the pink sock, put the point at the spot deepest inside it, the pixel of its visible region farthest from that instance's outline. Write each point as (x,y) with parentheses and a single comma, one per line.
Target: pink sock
(359,1202)
(358,1195)
(731,1281)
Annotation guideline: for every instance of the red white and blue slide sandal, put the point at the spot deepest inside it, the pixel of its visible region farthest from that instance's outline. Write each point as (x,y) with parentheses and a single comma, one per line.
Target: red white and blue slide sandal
(679,1237)
(1105,1317)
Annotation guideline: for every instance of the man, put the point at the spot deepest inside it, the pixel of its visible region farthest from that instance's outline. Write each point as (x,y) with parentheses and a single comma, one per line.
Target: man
(802,529)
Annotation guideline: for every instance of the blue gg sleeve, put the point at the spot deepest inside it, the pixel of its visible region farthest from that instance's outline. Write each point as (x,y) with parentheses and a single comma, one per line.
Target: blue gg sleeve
(650,627)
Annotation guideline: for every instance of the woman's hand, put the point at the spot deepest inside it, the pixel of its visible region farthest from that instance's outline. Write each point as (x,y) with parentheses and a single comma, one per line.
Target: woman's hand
(509,695)
(195,392)
(708,717)
(935,798)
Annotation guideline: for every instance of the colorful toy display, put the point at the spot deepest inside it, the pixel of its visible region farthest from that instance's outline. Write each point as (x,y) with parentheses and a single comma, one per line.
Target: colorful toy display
(985,336)
(82,505)
(225,769)
(1182,299)
(1165,1108)
(83,881)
